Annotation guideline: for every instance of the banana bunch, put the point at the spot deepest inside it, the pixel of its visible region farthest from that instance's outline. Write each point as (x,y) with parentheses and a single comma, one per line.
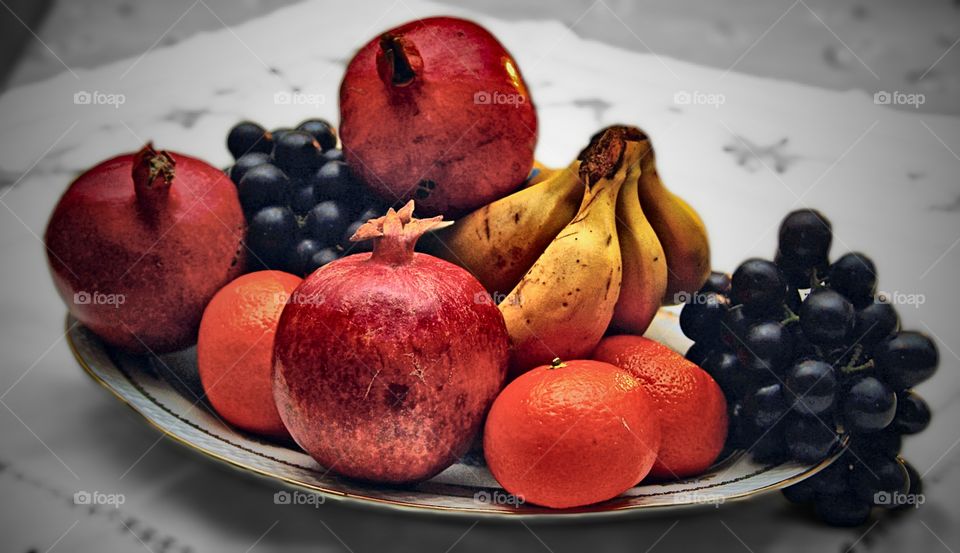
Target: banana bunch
(592,248)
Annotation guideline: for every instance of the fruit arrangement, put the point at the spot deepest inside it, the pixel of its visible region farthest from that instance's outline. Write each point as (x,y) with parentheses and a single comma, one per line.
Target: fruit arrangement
(808,356)
(333,305)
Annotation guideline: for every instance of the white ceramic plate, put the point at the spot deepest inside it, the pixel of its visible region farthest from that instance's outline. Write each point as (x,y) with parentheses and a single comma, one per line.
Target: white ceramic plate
(165,392)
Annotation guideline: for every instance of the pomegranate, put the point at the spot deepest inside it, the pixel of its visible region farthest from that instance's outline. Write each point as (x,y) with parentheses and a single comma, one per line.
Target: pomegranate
(385,363)
(139,244)
(437,110)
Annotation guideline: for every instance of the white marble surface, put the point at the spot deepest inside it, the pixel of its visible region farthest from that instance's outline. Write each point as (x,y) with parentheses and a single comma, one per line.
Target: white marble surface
(886,178)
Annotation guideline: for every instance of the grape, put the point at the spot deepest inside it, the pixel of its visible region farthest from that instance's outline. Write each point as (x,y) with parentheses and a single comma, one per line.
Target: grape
(811,385)
(303,199)
(335,181)
(879,480)
(735,324)
(246,137)
(758,285)
(869,405)
(916,486)
(726,370)
(883,443)
(805,237)
(245,163)
(875,322)
(800,277)
(333,154)
(800,492)
(700,320)
(271,234)
(793,300)
(808,439)
(826,317)
(297,153)
(301,261)
(717,282)
(326,222)
(770,447)
(766,406)
(913,414)
(698,353)
(906,359)
(835,479)
(766,346)
(321,131)
(842,510)
(262,186)
(323,257)
(855,276)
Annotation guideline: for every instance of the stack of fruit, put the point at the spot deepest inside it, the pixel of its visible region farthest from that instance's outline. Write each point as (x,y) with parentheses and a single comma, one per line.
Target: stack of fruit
(807,353)
(300,197)
(384,361)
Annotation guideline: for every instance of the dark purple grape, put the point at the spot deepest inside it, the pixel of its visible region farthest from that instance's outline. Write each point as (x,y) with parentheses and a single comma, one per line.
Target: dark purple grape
(827,318)
(303,199)
(698,353)
(808,439)
(321,258)
(270,235)
(835,479)
(906,359)
(855,276)
(766,347)
(801,492)
(321,131)
(726,370)
(842,510)
(301,260)
(869,405)
(245,163)
(883,443)
(880,480)
(734,326)
(247,137)
(326,222)
(333,154)
(717,282)
(811,386)
(758,286)
(913,414)
(805,237)
(335,181)
(800,277)
(297,153)
(766,406)
(875,322)
(915,491)
(262,186)
(700,319)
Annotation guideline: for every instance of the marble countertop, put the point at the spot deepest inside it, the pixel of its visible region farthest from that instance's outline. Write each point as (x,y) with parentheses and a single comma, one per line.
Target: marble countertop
(743,150)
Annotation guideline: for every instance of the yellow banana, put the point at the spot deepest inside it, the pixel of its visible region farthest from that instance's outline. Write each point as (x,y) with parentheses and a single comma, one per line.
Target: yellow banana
(500,241)
(542,173)
(682,233)
(563,305)
(644,263)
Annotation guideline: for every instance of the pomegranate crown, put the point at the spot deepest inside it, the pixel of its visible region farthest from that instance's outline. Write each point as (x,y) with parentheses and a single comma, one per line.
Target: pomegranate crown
(396,233)
(152,173)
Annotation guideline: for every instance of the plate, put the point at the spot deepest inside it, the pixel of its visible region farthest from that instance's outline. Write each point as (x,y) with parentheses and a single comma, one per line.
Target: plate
(165,391)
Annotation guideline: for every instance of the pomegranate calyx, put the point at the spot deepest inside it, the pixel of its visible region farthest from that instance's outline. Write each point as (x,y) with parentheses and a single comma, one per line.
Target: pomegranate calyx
(398,61)
(153,172)
(396,233)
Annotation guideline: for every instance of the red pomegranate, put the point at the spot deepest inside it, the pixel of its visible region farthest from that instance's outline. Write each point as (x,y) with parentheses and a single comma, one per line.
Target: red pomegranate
(437,110)
(386,363)
(139,244)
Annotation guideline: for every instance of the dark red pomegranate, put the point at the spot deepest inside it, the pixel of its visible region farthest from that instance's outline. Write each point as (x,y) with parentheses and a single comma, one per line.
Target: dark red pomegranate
(436,110)
(140,243)
(385,364)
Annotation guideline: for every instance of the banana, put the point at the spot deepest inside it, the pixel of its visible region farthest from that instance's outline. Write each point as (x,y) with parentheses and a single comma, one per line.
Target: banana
(542,173)
(644,263)
(682,233)
(500,241)
(564,303)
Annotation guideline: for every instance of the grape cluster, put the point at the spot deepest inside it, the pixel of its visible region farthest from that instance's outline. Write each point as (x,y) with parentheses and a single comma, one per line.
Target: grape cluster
(807,356)
(301,201)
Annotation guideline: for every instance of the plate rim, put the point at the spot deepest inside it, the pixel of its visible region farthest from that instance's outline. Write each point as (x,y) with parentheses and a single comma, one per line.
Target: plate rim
(591,512)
